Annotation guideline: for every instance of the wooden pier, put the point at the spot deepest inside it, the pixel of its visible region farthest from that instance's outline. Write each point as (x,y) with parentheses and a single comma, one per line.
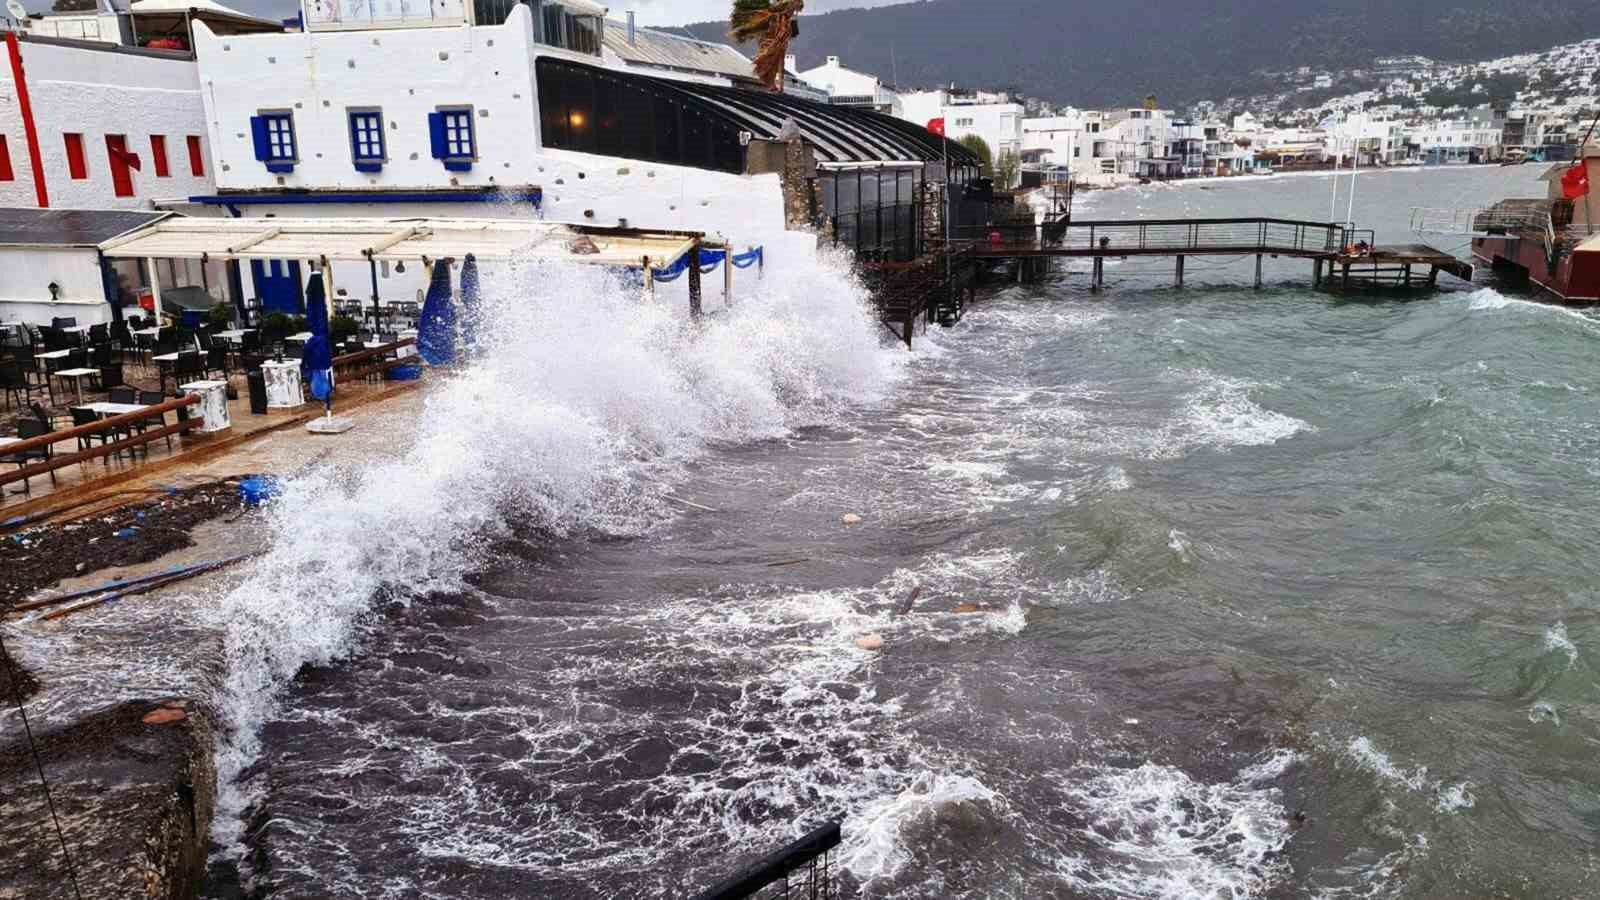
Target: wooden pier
(1349,256)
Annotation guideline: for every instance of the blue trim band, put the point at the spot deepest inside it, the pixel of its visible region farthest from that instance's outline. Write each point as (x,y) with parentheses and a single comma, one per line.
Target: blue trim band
(527,195)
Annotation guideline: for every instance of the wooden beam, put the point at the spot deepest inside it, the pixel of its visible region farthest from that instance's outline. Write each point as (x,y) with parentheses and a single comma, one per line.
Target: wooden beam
(258,238)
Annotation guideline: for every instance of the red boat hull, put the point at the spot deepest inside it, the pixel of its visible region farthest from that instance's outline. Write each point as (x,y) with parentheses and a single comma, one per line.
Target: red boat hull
(1576,278)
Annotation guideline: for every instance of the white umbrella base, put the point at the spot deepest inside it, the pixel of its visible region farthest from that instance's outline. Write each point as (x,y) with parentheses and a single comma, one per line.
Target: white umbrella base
(330,425)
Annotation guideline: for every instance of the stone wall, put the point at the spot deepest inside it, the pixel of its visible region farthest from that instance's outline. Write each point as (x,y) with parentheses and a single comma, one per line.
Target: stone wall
(134,786)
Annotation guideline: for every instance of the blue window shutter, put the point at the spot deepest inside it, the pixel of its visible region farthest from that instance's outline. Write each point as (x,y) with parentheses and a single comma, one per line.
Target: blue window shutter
(441,148)
(258,133)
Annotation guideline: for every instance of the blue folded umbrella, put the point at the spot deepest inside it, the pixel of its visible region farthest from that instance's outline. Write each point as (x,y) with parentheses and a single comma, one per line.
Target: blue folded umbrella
(316,362)
(436,333)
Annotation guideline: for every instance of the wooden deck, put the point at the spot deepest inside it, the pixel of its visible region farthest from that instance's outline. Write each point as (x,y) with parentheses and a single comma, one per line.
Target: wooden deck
(187,461)
(1396,266)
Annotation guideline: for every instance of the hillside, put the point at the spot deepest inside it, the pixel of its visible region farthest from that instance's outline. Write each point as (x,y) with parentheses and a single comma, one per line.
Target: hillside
(1114,54)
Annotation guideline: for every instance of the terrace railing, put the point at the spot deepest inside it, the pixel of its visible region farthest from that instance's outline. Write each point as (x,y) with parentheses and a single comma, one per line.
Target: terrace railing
(803,870)
(1168,237)
(108,425)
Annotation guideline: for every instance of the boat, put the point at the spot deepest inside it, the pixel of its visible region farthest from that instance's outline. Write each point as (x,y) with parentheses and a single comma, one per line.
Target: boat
(1554,240)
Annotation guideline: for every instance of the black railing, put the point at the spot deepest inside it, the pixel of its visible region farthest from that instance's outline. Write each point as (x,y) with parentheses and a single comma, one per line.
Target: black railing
(801,871)
(1203,235)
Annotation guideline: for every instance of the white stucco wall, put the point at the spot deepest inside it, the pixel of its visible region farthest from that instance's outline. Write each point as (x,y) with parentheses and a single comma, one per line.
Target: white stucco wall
(95,92)
(25,277)
(406,73)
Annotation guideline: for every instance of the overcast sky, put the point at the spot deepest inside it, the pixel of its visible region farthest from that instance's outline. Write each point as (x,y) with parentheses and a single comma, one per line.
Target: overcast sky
(651,12)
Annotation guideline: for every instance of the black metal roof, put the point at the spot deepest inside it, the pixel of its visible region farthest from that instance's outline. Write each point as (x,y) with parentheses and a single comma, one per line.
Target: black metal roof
(840,134)
(69,227)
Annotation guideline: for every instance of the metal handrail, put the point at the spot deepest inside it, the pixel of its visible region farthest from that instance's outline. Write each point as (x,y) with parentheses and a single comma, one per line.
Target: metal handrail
(809,852)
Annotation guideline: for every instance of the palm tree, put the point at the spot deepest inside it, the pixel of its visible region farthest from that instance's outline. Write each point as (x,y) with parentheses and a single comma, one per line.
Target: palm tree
(772,22)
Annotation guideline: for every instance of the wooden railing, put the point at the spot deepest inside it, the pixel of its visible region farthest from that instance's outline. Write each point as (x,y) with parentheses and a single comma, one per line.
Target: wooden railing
(110,424)
(343,364)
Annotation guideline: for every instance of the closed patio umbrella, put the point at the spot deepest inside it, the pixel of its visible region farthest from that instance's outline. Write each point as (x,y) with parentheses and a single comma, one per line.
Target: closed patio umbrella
(316,363)
(436,333)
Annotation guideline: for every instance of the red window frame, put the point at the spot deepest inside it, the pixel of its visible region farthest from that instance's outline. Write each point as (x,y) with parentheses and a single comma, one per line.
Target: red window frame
(77,163)
(121,172)
(158,152)
(5,161)
(197,162)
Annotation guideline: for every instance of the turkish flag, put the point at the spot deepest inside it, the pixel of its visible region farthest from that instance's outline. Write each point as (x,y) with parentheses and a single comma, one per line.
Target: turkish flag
(936,126)
(1575,183)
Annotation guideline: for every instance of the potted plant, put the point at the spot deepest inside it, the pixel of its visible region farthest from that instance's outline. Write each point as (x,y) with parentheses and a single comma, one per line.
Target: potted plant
(220,317)
(342,327)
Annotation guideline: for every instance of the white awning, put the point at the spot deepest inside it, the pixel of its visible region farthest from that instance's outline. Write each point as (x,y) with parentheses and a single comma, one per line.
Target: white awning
(395,239)
(582,7)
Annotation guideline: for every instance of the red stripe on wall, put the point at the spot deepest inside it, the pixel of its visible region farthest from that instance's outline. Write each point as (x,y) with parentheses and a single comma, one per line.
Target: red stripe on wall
(28,129)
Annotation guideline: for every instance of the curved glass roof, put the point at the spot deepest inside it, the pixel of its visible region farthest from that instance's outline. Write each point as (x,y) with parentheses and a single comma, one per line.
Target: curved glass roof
(839,134)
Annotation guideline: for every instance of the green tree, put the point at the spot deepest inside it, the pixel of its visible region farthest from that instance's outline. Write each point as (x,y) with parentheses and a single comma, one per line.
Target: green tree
(981,147)
(1007,169)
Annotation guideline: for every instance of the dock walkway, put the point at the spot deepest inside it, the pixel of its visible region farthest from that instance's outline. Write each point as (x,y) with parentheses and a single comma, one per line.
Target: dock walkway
(1324,243)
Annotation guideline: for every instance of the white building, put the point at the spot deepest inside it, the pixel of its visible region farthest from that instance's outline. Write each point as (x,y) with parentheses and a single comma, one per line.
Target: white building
(50,265)
(99,126)
(994,117)
(503,111)
(1369,140)
(848,87)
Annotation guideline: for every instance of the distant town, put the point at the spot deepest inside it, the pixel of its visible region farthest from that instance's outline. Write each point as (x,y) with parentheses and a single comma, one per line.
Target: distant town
(1400,111)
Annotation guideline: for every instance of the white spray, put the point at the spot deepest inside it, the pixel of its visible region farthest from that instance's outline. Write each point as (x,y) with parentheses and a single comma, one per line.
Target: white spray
(577,416)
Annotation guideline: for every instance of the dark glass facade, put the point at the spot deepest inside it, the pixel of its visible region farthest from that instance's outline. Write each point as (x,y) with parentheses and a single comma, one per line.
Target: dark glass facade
(875,211)
(596,111)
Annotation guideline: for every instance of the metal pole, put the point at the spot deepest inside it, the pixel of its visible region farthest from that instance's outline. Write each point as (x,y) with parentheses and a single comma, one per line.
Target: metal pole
(373,264)
(694,279)
(727,274)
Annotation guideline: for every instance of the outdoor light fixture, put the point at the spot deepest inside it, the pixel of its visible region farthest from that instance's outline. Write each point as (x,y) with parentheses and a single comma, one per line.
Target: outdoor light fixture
(400,266)
(55,292)
(575,119)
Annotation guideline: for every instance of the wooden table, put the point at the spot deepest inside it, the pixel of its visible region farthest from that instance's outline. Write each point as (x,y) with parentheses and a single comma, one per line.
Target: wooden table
(234,335)
(106,408)
(77,376)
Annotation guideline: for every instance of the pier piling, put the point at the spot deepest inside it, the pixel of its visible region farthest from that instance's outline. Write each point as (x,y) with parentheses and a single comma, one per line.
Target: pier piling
(694,280)
(1258,271)
(1180,270)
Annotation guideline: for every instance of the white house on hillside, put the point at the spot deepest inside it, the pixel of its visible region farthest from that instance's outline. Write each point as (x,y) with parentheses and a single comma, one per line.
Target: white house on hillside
(848,87)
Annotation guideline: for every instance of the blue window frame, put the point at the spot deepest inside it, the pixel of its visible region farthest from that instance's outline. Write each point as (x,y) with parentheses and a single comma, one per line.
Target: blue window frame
(273,133)
(366,140)
(454,141)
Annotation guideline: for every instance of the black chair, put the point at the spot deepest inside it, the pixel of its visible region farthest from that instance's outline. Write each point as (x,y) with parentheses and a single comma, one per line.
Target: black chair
(81,416)
(191,366)
(30,428)
(100,334)
(18,381)
(123,394)
(158,420)
(217,360)
(53,338)
(121,338)
(63,322)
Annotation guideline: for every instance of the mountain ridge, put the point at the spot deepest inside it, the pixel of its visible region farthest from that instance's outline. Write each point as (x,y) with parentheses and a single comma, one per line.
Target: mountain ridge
(1110,56)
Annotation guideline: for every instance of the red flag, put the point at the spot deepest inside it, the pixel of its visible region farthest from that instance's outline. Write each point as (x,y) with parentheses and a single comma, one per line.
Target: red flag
(1575,183)
(936,126)
(131,160)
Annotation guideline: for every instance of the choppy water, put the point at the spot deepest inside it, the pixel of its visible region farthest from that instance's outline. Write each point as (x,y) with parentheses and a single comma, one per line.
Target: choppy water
(1278,595)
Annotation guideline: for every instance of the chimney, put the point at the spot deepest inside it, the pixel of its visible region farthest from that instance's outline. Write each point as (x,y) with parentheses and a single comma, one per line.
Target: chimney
(790,64)
(632,31)
(833,61)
